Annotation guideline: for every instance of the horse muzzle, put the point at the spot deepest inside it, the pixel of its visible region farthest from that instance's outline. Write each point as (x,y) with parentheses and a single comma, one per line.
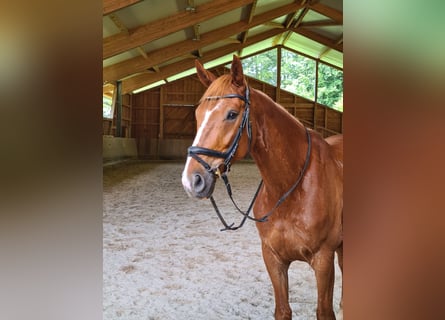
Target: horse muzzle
(199,184)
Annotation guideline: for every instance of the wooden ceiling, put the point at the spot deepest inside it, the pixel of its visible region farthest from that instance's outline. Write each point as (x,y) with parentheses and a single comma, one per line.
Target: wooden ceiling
(148,41)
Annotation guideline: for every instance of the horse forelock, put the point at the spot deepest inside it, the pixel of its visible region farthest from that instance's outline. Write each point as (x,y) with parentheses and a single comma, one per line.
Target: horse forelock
(221,86)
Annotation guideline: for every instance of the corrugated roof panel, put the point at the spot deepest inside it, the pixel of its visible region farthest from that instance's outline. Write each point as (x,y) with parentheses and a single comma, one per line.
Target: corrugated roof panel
(109,28)
(121,57)
(267,5)
(265,44)
(221,60)
(314,16)
(181,75)
(220,21)
(331,32)
(165,41)
(333,57)
(219,44)
(304,45)
(141,13)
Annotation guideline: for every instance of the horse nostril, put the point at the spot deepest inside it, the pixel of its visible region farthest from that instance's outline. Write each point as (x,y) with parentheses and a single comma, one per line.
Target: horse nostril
(198,182)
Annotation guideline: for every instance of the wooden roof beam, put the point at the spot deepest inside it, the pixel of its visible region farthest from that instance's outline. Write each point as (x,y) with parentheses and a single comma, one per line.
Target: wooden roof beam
(327,49)
(319,38)
(109,6)
(319,23)
(252,8)
(288,23)
(296,23)
(118,23)
(244,35)
(328,12)
(139,64)
(151,31)
(142,80)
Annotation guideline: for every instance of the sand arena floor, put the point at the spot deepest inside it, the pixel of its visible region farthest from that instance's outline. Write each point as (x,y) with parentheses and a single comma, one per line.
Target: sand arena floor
(165,258)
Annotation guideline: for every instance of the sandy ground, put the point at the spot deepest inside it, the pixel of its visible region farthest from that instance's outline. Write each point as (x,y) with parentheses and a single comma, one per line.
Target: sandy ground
(165,258)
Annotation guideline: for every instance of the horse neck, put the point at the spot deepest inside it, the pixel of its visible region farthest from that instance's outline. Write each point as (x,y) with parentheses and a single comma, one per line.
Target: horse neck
(280,142)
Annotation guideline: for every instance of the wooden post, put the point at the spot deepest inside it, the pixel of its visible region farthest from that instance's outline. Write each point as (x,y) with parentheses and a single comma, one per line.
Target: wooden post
(278,90)
(161,120)
(316,94)
(161,112)
(119,109)
(130,131)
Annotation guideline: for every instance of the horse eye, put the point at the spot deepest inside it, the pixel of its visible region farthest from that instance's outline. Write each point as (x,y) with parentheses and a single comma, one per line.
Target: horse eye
(231,115)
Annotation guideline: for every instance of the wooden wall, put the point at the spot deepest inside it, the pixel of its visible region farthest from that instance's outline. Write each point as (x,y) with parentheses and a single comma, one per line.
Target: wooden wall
(163,122)
(109,125)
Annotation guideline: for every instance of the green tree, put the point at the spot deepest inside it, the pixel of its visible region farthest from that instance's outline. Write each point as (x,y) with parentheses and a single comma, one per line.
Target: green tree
(330,86)
(262,66)
(298,74)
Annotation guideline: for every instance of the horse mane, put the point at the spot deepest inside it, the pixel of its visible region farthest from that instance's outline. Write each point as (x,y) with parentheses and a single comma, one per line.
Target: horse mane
(279,108)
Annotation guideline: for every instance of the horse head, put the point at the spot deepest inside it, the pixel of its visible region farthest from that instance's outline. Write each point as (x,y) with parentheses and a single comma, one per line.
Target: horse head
(223,129)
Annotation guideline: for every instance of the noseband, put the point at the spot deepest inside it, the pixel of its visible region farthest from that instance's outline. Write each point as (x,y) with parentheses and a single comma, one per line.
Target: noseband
(228,155)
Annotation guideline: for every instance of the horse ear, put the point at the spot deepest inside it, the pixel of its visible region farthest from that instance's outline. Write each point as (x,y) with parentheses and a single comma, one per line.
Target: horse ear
(237,72)
(206,77)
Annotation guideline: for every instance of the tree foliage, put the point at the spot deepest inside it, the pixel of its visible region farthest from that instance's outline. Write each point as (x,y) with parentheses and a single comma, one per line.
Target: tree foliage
(330,86)
(262,66)
(298,76)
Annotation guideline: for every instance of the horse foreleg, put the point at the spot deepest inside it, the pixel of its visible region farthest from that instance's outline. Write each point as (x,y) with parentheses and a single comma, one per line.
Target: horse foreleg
(323,265)
(278,273)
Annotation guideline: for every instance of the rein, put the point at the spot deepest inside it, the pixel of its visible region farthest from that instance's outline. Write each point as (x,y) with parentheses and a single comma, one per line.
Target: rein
(228,155)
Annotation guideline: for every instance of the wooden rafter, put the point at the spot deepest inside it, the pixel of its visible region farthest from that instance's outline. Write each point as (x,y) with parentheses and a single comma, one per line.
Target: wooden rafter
(139,64)
(274,24)
(327,49)
(142,52)
(319,23)
(296,23)
(245,34)
(289,20)
(118,22)
(141,80)
(319,38)
(252,8)
(328,12)
(109,6)
(141,35)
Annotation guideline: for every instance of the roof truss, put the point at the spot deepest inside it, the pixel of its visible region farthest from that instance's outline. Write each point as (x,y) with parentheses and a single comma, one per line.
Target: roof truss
(208,31)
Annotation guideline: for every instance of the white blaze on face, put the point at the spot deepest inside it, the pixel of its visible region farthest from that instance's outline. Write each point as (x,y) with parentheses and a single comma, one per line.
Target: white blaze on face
(185,179)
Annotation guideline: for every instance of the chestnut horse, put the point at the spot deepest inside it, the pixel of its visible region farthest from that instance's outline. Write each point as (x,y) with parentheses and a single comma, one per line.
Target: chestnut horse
(299,205)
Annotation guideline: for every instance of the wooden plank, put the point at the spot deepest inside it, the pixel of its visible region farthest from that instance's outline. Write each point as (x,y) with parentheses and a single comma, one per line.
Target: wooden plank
(151,31)
(109,6)
(139,64)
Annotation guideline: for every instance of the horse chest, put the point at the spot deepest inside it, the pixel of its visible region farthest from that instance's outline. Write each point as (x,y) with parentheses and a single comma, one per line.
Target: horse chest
(289,241)
(288,244)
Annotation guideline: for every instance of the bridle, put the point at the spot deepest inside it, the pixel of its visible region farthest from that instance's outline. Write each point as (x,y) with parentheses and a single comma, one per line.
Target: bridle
(195,151)
(228,155)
